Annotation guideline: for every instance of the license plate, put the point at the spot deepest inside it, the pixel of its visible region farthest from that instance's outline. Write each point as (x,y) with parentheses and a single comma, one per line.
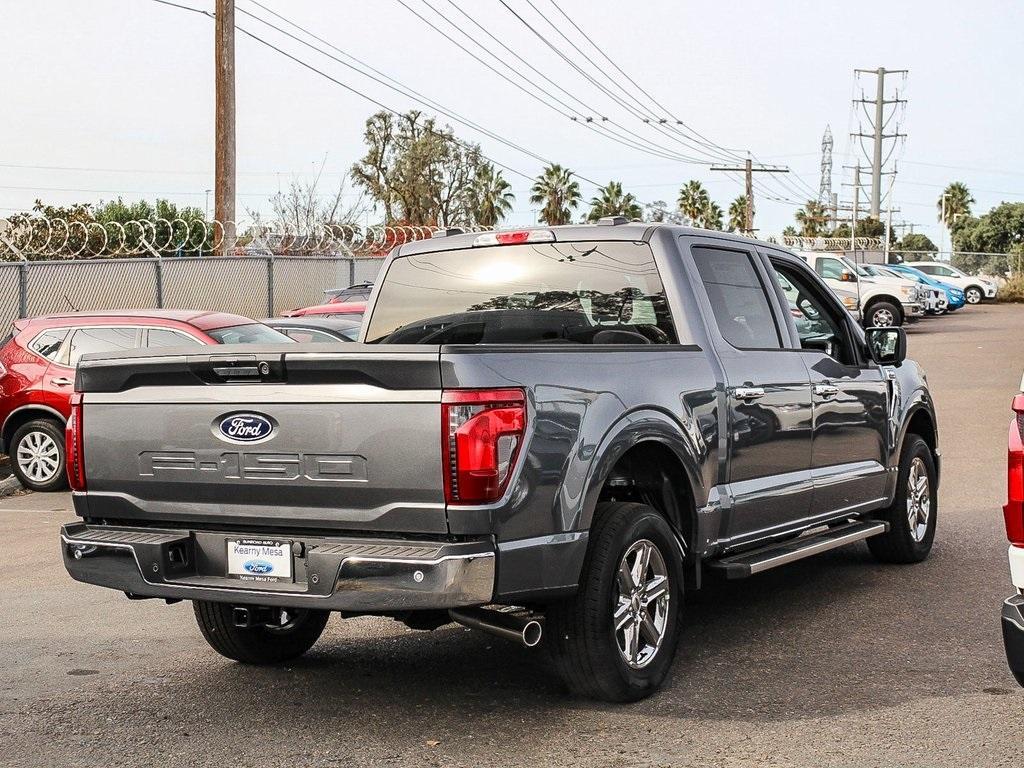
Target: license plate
(260,560)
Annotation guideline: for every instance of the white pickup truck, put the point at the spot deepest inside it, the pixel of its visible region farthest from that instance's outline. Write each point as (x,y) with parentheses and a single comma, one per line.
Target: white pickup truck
(884,301)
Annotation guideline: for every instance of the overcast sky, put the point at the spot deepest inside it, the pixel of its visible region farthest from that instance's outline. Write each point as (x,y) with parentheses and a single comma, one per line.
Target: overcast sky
(115,97)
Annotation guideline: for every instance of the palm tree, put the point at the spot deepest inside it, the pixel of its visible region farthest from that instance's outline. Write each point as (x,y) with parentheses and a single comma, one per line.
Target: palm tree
(956,200)
(738,214)
(812,218)
(693,199)
(558,193)
(492,196)
(711,216)
(610,201)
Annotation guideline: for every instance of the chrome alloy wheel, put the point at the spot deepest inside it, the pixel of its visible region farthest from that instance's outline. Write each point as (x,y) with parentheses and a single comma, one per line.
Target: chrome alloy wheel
(38,457)
(973,296)
(882,318)
(641,605)
(919,499)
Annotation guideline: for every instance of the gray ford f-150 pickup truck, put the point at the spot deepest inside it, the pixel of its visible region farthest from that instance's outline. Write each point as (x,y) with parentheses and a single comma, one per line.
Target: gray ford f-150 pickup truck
(548,434)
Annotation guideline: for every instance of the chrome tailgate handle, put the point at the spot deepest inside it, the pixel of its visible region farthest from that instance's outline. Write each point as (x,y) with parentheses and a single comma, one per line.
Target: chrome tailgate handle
(749,394)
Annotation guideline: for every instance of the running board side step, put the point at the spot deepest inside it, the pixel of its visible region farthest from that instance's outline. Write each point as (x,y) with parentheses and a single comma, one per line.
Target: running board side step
(773,555)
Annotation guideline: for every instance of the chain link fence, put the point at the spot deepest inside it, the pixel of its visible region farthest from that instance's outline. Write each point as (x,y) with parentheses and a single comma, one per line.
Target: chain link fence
(254,286)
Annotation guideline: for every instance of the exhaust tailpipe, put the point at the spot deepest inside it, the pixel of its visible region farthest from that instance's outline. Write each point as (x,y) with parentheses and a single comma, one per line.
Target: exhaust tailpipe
(518,628)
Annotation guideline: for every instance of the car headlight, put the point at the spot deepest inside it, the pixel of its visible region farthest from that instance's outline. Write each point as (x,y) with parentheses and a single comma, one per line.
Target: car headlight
(908,292)
(850,302)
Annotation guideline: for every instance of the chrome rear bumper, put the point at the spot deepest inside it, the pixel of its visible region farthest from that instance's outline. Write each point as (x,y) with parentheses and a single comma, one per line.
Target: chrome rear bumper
(339,574)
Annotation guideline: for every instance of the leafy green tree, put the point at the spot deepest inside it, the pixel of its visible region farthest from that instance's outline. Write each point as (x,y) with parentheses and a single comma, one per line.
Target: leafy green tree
(812,218)
(711,216)
(790,231)
(915,241)
(982,242)
(492,196)
(558,193)
(738,214)
(693,199)
(866,227)
(418,172)
(114,228)
(955,201)
(610,200)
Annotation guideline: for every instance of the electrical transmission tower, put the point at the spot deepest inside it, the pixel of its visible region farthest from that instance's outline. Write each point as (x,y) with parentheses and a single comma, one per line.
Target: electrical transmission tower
(878,120)
(825,189)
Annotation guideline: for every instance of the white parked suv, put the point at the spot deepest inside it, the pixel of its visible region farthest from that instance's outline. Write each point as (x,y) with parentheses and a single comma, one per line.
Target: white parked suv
(884,301)
(975,288)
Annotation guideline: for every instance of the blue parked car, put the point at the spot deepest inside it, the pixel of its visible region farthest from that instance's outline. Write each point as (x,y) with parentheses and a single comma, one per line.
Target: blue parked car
(954,295)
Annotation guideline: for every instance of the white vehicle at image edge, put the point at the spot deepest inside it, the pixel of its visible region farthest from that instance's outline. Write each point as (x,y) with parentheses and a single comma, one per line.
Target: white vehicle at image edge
(976,289)
(884,301)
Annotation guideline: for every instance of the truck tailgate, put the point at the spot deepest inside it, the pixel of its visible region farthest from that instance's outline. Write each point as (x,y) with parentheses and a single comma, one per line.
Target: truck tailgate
(346,437)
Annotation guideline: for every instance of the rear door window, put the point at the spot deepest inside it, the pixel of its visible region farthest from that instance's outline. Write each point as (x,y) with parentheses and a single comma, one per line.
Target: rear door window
(541,293)
(738,298)
(48,343)
(102,339)
(168,337)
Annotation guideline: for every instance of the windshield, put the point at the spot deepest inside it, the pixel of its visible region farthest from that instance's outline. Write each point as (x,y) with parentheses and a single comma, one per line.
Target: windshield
(571,293)
(253,333)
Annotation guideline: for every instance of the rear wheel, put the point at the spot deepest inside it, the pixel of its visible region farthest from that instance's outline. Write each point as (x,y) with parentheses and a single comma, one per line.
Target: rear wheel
(973,294)
(913,514)
(882,314)
(37,455)
(291,636)
(615,639)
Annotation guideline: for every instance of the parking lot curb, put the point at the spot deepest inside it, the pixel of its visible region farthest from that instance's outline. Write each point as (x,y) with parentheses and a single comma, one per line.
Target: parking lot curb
(9,486)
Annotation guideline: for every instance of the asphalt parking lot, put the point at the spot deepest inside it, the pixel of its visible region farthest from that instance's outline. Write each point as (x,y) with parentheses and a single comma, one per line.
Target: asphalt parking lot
(832,661)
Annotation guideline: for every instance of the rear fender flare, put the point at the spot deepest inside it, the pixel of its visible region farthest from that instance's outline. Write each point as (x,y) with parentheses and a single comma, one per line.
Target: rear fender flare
(635,427)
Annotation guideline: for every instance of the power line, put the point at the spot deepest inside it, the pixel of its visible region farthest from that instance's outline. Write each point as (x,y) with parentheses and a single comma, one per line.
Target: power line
(349,88)
(587,121)
(614,97)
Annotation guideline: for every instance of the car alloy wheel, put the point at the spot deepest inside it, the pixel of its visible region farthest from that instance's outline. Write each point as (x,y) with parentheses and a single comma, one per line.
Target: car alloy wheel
(973,296)
(641,606)
(919,502)
(38,457)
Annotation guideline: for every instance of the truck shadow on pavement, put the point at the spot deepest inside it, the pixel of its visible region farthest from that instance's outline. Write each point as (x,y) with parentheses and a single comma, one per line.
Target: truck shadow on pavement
(836,634)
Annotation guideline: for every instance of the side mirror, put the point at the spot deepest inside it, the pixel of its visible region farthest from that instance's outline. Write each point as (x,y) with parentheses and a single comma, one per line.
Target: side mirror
(848,277)
(887,346)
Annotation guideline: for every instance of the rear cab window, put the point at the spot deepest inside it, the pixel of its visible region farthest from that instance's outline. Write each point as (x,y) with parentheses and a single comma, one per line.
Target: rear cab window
(537,293)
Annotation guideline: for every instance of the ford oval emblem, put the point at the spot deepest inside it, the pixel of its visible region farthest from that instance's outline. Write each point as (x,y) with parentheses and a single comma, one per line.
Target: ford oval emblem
(258,567)
(245,427)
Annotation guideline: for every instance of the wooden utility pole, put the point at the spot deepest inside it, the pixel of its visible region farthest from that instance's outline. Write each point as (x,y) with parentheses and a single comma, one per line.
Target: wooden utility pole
(224,160)
(749,169)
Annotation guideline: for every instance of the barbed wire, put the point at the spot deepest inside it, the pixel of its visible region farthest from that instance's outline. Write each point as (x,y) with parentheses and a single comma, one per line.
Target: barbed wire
(38,237)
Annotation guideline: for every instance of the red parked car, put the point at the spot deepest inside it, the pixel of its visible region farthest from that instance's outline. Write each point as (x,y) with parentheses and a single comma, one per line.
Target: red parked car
(1013,515)
(331,309)
(37,372)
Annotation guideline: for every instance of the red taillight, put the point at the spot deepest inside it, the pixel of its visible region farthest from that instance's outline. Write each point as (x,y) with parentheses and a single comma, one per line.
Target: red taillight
(1013,512)
(482,432)
(73,445)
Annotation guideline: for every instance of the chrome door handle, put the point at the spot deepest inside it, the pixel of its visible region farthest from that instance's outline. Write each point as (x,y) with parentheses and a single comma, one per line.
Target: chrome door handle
(61,381)
(748,394)
(825,390)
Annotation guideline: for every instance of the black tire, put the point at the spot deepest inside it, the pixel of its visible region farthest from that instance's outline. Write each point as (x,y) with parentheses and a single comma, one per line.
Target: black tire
(879,310)
(973,294)
(580,635)
(900,545)
(258,645)
(40,429)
